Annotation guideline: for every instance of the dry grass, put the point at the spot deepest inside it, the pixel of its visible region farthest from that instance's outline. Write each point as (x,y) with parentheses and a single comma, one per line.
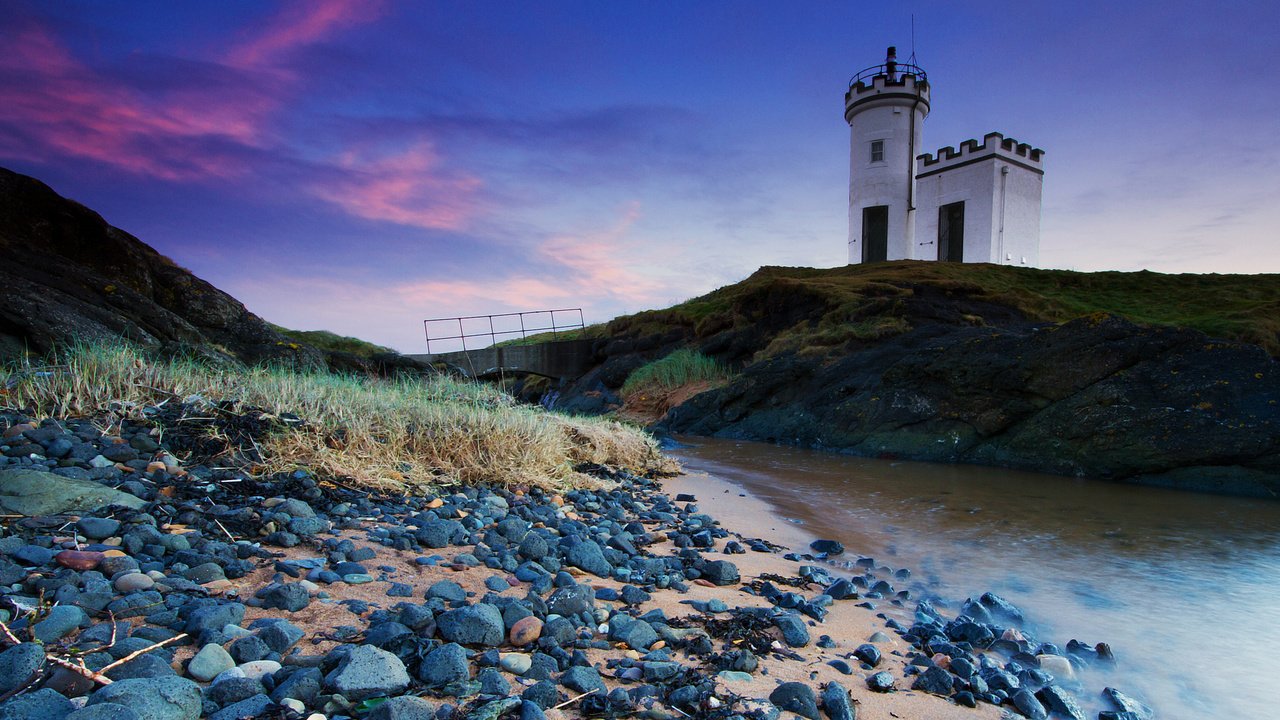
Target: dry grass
(389,434)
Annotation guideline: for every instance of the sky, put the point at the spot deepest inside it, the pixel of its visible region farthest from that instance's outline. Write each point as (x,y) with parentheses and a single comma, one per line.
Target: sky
(361,166)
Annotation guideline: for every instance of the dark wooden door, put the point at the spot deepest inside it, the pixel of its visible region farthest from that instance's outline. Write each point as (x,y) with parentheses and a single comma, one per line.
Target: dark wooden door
(951,232)
(875,234)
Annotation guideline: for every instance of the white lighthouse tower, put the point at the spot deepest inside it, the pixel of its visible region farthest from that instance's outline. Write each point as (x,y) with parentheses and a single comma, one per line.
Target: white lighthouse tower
(885,107)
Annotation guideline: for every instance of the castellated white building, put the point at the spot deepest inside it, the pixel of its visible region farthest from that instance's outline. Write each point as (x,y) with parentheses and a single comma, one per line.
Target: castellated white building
(980,203)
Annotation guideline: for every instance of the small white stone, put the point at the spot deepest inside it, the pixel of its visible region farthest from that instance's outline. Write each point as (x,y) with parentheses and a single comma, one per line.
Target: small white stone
(1057,666)
(294,705)
(259,669)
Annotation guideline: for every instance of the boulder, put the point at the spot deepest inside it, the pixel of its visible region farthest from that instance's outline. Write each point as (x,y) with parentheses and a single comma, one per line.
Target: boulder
(34,492)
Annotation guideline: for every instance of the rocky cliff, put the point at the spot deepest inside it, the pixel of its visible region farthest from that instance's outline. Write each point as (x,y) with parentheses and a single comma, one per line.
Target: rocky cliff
(908,361)
(67,276)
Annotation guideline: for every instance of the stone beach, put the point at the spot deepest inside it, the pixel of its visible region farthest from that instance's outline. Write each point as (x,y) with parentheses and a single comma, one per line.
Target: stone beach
(145,576)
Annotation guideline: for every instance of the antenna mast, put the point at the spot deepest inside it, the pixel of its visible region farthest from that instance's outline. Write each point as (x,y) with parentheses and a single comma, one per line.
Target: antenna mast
(913,40)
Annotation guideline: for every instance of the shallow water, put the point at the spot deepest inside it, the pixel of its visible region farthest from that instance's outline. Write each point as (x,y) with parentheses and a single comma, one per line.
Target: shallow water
(1185,587)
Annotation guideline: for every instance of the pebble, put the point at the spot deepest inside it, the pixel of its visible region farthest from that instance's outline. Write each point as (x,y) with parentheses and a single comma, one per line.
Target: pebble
(795,697)
(880,682)
(516,663)
(133,582)
(79,559)
(525,630)
(209,662)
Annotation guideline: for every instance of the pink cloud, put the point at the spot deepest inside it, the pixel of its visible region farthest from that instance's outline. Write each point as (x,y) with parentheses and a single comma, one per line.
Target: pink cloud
(299,25)
(63,107)
(409,188)
(60,106)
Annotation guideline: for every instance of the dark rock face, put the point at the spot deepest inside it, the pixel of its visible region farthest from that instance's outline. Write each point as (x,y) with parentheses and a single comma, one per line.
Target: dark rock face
(1098,397)
(69,276)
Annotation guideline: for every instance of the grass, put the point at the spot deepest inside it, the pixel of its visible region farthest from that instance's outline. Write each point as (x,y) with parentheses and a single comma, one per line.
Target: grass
(325,340)
(400,434)
(680,368)
(862,301)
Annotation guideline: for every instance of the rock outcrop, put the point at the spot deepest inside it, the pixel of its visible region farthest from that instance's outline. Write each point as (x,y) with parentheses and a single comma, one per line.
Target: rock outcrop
(948,372)
(68,276)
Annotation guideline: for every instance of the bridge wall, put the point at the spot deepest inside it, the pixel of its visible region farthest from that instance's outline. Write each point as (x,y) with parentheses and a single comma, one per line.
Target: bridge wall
(559,359)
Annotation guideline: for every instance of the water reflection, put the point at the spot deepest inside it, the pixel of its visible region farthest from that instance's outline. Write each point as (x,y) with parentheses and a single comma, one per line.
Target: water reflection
(1185,587)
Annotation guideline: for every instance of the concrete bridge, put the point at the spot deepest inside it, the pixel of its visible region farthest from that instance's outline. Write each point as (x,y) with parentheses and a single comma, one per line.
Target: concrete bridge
(559,360)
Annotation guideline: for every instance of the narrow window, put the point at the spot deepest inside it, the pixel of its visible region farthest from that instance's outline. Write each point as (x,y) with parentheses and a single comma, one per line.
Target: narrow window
(877,151)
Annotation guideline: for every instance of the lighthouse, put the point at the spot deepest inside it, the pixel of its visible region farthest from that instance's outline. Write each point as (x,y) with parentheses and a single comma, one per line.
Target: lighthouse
(980,203)
(885,107)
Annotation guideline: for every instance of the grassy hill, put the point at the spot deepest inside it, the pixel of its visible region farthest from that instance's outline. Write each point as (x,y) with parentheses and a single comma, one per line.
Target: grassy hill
(867,302)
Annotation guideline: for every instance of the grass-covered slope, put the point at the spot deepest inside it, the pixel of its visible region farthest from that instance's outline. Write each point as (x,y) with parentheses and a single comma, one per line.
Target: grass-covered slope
(401,433)
(867,302)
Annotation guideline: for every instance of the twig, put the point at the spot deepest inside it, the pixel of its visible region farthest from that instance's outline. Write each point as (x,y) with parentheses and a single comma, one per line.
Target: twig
(9,636)
(572,700)
(225,530)
(79,670)
(144,650)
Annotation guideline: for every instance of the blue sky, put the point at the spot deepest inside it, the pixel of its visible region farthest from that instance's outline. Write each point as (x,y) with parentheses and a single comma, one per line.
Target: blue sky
(359,166)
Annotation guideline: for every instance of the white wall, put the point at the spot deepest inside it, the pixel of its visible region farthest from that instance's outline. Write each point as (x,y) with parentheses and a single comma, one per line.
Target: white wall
(1001,189)
(888,182)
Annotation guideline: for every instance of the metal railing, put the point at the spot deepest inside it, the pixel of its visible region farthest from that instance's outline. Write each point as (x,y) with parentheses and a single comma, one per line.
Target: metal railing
(493,334)
(892,70)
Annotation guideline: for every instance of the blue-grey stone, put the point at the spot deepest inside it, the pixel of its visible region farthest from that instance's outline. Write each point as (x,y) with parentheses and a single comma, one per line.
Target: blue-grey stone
(479,624)
(582,679)
(231,688)
(18,663)
(1028,705)
(105,711)
(150,665)
(444,665)
(880,682)
(837,702)
(43,704)
(368,672)
(303,684)
(588,556)
(405,707)
(290,597)
(795,697)
(211,660)
(97,528)
(934,680)
(721,572)
(247,708)
(61,621)
(167,698)
(448,591)
(212,618)
(794,631)
(24,491)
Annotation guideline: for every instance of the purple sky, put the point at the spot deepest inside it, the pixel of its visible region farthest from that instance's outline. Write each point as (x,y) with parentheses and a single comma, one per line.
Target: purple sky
(359,166)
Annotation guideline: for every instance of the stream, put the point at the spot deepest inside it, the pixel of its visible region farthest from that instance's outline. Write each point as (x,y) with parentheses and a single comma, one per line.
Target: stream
(1185,587)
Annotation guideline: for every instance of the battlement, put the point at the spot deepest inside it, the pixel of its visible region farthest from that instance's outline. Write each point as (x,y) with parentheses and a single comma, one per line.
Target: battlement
(897,89)
(994,145)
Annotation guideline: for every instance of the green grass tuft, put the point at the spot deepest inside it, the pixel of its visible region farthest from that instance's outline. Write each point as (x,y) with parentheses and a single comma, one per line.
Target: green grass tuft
(680,368)
(333,342)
